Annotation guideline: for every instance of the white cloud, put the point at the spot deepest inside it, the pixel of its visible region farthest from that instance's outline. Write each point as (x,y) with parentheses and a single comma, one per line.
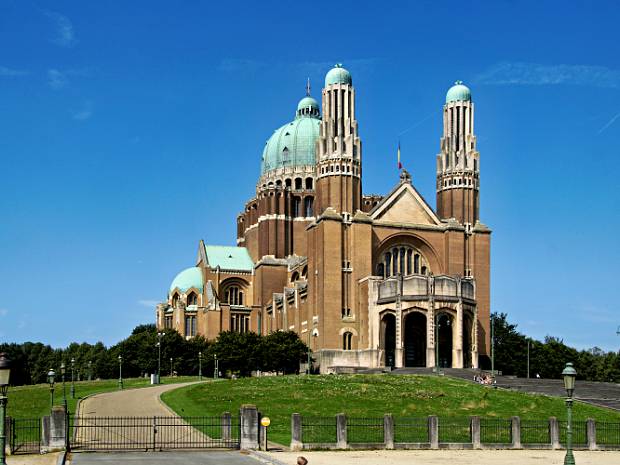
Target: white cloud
(85,113)
(520,73)
(56,79)
(65,35)
(10,72)
(148,303)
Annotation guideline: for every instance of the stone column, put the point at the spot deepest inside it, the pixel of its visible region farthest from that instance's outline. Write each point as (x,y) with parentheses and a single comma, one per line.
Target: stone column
(249,427)
(474,339)
(388,431)
(516,432)
(296,432)
(433,432)
(591,433)
(457,336)
(398,352)
(226,426)
(55,430)
(475,433)
(554,433)
(341,431)
(430,336)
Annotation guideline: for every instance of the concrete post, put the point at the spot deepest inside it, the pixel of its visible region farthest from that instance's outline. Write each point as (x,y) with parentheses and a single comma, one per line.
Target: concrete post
(475,432)
(226,426)
(516,433)
(591,433)
(341,431)
(433,432)
(388,431)
(296,432)
(554,432)
(249,426)
(55,430)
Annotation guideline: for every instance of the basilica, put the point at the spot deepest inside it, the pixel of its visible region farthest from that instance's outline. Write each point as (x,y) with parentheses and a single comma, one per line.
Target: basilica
(367,281)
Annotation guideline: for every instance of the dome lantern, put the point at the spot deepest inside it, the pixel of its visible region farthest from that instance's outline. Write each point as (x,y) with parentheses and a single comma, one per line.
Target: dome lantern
(338,75)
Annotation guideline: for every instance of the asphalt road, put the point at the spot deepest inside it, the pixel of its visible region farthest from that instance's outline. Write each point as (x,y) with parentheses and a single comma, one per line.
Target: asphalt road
(167,458)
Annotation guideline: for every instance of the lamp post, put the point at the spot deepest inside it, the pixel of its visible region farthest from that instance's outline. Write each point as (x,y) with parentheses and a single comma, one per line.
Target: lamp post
(492,347)
(5,372)
(199,366)
(51,378)
(90,370)
(216,369)
(569,375)
(528,359)
(63,370)
(171,367)
(73,378)
(160,335)
(120,372)
(437,326)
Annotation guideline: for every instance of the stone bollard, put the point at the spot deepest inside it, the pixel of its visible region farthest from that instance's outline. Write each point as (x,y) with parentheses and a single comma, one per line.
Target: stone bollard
(591,433)
(433,432)
(55,430)
(226,426)
(516,432)
(249,427)
(388,431)
(554,432)
(296,432)
(475,433)
(341,431)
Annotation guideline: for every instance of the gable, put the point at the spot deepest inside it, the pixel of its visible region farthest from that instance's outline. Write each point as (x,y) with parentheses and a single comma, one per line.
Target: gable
(405,205)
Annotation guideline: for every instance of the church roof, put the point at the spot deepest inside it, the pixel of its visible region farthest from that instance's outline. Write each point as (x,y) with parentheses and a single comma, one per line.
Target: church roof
(228,258)
(458,92)
(187,279)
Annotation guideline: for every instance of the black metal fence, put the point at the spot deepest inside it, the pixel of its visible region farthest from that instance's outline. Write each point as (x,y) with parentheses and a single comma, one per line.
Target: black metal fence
(318,430)
(495,431)
(608,434)
(580,438)
(411,430)
(365,430)
(23,435)
(154,433)
(455,430)
(535,432)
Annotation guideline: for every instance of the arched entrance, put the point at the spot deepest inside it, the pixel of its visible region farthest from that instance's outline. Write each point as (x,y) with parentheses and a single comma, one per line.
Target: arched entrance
(444,339)
(467,337)
(415,340)
(388,339)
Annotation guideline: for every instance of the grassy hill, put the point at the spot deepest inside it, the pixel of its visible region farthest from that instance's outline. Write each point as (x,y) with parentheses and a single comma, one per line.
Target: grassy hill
(368,396)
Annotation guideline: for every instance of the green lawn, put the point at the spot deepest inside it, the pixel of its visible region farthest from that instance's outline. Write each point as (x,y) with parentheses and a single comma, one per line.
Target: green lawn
(368,396)
(34,401)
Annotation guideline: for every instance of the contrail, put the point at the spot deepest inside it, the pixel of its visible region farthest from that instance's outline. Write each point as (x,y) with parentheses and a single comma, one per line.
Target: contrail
(418,123)
(609,123)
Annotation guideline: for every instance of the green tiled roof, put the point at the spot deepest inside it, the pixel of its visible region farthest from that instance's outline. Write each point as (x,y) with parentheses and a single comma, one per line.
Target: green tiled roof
(229,258)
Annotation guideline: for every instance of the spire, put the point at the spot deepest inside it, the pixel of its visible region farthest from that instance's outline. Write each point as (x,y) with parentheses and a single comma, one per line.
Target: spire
(308,88)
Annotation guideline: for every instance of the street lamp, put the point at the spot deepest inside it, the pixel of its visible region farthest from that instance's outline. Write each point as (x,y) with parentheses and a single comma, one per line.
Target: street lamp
(159,336)
(171,367)
(51,377)
(199,366)
(569,375)
(492,347)
(63,370)
(216,369)
(315,334)
(90,370)
(72,378)
(120,372)
(5,372)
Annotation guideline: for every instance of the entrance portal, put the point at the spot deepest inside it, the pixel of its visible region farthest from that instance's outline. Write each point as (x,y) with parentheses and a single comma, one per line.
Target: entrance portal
(388,332)
(444,339)
(415,340)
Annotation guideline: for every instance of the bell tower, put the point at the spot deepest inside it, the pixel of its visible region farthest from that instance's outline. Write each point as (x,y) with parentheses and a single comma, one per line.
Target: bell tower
(458,163)
(338,148)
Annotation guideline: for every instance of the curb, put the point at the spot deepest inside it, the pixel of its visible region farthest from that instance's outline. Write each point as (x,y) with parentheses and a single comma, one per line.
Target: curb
(262,457)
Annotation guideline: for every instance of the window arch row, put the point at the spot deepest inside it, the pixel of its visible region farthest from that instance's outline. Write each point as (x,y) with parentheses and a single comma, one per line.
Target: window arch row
(401,260)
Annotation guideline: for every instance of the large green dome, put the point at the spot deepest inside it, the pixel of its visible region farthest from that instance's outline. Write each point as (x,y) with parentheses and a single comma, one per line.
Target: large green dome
(188,278)
(293,144)
(338,75)
(458,93)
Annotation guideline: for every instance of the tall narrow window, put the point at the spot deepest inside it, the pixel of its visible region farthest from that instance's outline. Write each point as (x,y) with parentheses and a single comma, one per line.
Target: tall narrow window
(192,298)
(233,295)
(190,325)
(308,206)
(296,207)
(381,270)
(416,264)
(346,340)
(409,252)
(175,299)
(388,264)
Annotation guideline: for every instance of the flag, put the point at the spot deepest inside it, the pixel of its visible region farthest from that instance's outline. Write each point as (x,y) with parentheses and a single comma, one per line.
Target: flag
(400,165)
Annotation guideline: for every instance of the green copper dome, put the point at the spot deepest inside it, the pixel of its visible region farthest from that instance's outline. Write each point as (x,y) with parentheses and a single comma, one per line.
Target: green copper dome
(458,92)
(188,278)
(293,144)
(338,75)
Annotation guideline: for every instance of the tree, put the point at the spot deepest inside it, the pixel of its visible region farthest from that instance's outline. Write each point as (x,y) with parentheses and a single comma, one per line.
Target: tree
(282,351)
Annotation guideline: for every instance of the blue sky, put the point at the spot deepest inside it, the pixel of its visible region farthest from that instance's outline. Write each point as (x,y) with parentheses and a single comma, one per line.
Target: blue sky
(130,130)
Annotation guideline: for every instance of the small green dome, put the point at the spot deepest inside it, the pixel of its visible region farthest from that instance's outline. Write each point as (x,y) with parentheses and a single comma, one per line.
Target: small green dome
(188,278)
(338,75)
(293,144)
(458,92)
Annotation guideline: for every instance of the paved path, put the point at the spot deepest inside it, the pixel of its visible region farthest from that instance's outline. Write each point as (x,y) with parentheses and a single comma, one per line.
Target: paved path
(443,457)
(143,402)
(167,458)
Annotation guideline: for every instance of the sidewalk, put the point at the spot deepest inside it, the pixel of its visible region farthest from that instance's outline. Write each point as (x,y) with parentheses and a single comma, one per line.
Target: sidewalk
(33,459)
(443,457)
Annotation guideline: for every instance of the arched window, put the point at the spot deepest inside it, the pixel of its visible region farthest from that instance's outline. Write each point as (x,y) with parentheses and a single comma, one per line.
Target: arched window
(175,299)
(288,182)
(309,183)
(416,264)
(402,259)
(298,183)
(304,272)
(294,277)
(346,340)
(308,206)
(394,262)
(192,298)
(233,295)
(296,207)
(388,263)
(381,270)
(409,253)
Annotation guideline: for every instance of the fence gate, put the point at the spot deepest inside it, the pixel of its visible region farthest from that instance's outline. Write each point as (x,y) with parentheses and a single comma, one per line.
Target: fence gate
(23,435)
(154,433)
